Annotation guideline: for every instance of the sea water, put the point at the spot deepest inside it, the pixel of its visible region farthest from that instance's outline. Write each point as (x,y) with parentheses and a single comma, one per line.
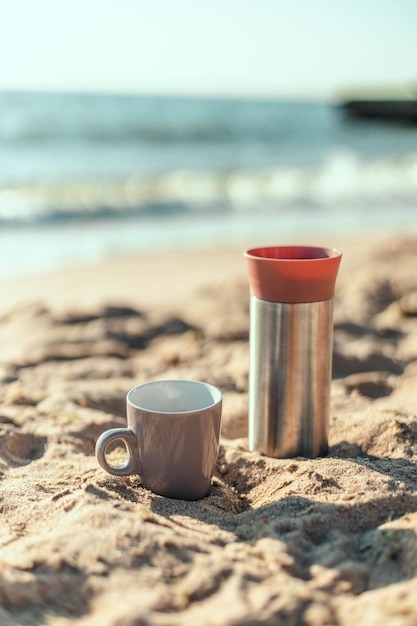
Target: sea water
(83,177)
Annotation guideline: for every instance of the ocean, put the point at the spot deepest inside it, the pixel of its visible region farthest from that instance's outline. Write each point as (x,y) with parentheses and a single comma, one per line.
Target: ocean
(84,177)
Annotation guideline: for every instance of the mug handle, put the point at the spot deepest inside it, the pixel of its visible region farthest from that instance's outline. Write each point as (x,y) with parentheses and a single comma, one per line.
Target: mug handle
(129,439)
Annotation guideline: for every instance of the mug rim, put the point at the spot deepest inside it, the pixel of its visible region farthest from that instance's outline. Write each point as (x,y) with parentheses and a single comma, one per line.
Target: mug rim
(175,380)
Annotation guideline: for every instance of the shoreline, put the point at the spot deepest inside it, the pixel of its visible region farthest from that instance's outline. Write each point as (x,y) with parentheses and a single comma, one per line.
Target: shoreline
(33,252)
(130,277)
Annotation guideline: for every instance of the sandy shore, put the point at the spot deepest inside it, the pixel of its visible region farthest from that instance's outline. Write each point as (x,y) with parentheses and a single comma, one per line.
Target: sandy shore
(277,541)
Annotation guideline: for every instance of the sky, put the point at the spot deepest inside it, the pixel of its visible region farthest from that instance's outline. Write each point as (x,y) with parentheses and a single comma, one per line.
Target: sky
(255,48)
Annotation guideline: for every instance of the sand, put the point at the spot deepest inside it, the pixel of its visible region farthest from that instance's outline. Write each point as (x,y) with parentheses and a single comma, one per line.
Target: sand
(276,541)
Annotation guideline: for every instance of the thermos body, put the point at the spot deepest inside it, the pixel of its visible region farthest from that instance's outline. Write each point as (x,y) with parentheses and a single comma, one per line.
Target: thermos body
(291,346)
(290,376)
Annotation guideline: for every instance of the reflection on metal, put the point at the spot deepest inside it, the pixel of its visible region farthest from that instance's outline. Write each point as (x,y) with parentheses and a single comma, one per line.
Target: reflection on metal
(290,377)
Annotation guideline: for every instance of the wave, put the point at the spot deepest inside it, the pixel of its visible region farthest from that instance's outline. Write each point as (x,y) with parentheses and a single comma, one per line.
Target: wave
(194,133)
(342,181)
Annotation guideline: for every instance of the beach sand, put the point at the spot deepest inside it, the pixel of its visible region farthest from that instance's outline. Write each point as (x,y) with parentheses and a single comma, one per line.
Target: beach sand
(276,541)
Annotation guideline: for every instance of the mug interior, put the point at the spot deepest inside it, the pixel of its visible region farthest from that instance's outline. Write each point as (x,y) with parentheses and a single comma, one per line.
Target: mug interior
(174,396)
(295,253)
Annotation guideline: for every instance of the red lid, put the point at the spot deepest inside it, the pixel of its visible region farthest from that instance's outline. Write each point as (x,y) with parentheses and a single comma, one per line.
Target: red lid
(292,273)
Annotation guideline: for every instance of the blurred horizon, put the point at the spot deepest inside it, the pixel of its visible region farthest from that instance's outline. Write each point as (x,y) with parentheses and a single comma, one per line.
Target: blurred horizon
(392,91)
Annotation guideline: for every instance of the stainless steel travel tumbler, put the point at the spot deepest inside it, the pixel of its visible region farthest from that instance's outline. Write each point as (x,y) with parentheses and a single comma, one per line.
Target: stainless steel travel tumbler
(291,340)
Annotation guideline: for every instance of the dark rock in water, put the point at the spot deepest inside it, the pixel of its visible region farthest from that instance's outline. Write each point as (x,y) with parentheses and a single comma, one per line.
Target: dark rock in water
(392,111)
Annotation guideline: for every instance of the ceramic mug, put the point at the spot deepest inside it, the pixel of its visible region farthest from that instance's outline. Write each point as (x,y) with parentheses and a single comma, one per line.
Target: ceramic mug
(172,439)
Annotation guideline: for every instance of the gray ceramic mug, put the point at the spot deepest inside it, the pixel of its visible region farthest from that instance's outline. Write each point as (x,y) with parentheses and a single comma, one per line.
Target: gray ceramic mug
(172,439)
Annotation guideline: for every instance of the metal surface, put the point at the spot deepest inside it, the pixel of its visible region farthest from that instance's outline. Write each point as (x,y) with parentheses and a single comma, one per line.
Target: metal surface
(290,377)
